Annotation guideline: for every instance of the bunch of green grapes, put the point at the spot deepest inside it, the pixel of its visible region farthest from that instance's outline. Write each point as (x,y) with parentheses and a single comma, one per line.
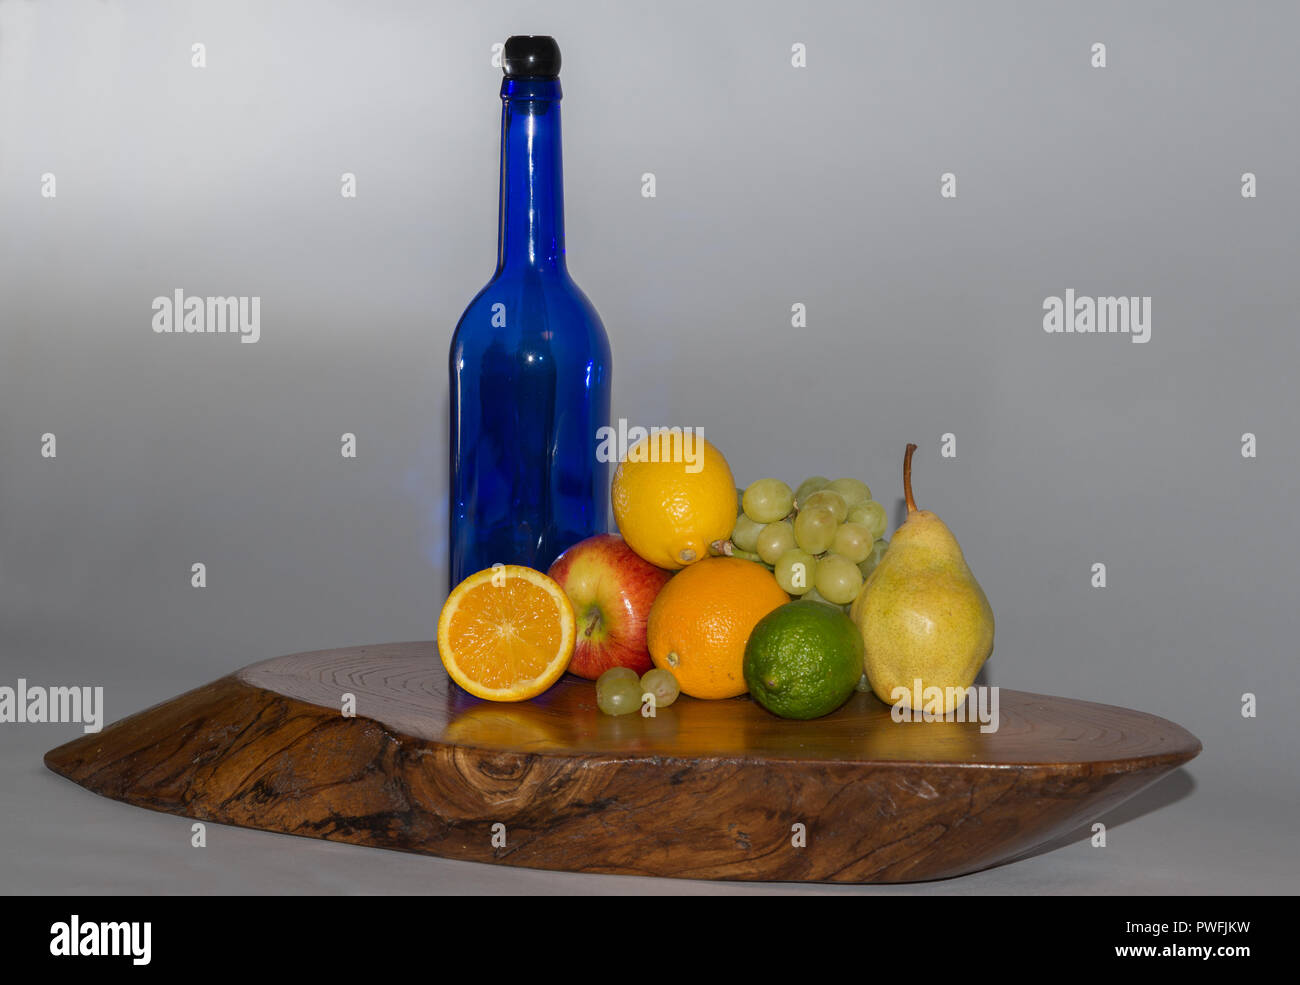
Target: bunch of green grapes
(821,540)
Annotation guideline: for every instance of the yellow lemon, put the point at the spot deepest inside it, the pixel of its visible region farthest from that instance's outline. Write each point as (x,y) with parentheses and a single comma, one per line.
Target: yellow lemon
(673,496)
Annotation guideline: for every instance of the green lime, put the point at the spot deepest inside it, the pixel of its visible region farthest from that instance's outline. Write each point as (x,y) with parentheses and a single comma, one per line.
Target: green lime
(803,660)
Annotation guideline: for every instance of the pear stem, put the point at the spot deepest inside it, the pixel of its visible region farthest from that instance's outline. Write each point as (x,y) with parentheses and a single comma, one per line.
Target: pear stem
(907,479)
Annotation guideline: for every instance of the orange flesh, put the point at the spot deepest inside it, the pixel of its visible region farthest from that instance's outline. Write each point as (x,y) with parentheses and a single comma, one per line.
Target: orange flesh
(506,635)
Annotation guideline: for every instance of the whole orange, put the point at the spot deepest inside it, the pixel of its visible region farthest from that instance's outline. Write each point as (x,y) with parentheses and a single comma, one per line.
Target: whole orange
(702,618)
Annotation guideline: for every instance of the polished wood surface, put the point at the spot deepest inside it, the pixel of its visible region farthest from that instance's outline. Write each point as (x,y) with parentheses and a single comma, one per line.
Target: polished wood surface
(705,789)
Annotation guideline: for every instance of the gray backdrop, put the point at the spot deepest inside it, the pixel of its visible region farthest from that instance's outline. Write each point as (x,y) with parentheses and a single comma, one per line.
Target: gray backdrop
(775,185)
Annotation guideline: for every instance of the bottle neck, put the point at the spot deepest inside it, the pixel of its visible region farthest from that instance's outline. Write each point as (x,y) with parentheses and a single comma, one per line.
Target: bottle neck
(532,188)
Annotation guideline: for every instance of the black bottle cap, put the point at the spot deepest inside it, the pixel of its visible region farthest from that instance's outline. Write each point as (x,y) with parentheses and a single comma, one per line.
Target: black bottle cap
(529,56)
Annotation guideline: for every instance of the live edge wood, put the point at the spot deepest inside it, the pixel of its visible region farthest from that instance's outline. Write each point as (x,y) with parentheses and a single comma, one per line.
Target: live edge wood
(706,789)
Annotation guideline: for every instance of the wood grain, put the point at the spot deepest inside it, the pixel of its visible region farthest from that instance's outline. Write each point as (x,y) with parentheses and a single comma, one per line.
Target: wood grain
(706,789)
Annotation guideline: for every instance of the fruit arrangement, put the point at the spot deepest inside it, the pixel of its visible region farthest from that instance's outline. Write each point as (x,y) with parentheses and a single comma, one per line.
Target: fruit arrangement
(792,596)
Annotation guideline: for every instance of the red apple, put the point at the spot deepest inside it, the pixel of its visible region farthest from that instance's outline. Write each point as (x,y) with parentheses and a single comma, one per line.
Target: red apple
(612,589)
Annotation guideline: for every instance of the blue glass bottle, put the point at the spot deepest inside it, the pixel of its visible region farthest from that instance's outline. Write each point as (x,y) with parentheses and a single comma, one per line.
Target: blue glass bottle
(530,361)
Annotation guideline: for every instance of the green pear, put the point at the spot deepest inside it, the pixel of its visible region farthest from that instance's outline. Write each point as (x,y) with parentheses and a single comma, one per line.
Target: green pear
(922,615)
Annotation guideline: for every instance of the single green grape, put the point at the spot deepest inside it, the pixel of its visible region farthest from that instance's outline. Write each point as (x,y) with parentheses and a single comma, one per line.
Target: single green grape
(616,673)
(877,552)
(872,516)
(620,696)
(767,501)
(832,501)
(809,486)
(795,571)
(853,541)
(745,534)
(774,540)
(814,529)
(854,491)
(838,579)
(662,684)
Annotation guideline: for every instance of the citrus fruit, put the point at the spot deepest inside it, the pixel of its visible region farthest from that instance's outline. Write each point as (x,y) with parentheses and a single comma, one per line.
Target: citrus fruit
(699,623)
(669,511)
(506,633)
(803,660)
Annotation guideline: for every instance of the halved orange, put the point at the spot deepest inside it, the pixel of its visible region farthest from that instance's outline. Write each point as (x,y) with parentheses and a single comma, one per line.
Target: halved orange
(506,633)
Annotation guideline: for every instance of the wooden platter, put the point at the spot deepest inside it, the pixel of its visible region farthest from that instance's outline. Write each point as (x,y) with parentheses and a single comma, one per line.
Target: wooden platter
(704,790)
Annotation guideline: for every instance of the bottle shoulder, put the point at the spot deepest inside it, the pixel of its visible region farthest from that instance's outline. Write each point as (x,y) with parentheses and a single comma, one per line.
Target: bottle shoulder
(517,302)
